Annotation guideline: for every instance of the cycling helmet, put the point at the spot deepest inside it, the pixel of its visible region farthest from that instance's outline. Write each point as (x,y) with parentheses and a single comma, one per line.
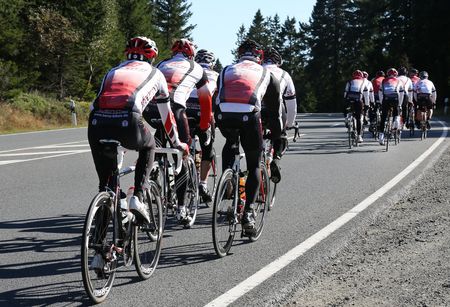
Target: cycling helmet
(273,56)
(380,73)
(205,57)
(185,47)
(357,74)
(402,71)
(365,74)
(141,48)
(413,72)
(250,48)
(423,75)
(392,72)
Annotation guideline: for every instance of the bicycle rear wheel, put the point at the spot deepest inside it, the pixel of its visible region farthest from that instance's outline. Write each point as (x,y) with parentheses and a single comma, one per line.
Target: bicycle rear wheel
(224,220)
(192,198)
(147,237)
(273,190)
(213,176)
(98,262)
(262,203)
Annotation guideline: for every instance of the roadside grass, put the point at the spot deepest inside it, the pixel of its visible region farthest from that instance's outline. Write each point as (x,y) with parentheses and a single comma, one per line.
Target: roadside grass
(34,111)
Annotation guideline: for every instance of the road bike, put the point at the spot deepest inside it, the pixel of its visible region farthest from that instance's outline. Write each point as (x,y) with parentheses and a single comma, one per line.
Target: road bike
(390,131)
(228,207)
(112,237)
(191,178)
(375,124)
(350,123)
(410,119)
(196,151)
(423,110)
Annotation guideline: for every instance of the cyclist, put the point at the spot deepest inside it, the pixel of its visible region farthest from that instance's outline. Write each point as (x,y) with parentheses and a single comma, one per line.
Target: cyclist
(391,94)
(117,114)
(376,83)
(425,94)
(182,74)
(206,60)
(408,94)
(371,96)
(241,88)
(356,94)
(414,76)
(288,109)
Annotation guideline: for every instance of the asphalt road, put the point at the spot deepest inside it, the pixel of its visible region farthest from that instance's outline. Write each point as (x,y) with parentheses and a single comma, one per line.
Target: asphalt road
(48,180)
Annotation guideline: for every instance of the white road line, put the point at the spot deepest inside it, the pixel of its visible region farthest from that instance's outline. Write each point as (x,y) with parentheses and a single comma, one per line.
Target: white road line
(69,144)
(41,158)
(42,131)
(335,125)
(42,153)
(266,272)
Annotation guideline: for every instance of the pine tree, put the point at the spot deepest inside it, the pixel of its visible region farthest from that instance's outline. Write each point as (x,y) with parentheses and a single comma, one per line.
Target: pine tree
(218,66)
(241,36)
(171,18)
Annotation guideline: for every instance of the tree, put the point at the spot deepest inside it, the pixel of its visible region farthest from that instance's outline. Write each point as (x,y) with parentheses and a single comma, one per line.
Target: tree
(171,19)
(218,66)
(241,36)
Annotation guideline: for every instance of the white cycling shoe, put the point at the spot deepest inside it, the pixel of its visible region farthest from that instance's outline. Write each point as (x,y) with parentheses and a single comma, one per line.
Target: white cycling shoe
(381,138)
(139,209)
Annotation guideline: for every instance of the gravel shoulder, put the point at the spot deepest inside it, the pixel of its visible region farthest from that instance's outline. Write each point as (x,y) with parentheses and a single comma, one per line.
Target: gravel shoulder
(402,258)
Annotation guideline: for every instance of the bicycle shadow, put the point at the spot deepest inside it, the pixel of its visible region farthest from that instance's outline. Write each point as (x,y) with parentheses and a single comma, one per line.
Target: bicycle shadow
(40,253)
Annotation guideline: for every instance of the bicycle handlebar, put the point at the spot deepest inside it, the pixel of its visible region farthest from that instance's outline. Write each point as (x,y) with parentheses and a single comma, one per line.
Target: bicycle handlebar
(172,151)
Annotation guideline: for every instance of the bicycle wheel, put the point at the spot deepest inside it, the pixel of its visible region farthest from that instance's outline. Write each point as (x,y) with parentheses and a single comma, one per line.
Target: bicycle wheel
(98,263)
(192,196)
(387,133)
(262,203)
(224,220)
(349,132)
(212,177)
(147,237)
(273,190)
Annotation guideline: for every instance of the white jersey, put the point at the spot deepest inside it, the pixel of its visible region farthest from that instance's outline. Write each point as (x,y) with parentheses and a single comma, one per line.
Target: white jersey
(425,86)
(357,90)
(287,91)
(408,87)
(370,90)
(212,81)
(391,89)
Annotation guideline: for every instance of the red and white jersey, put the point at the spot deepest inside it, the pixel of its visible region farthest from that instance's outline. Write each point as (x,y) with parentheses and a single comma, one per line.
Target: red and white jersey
(357,89)
(182,75)
(131,86)
(376,83)
(408,87)
(414,80)
(211,85)
(391,88)
(425,86)
(242,87)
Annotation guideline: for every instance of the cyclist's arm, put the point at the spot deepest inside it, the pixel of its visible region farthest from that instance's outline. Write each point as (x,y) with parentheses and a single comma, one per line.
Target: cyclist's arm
(205,100)
(433,94)
(291,102)
(272,100)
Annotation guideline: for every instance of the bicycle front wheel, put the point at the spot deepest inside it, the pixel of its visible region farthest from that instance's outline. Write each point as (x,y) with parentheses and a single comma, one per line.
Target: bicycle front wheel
(224,220)
(98,264)
(262,203)
(147,237)
(192,198)
(213,176)
(273,190)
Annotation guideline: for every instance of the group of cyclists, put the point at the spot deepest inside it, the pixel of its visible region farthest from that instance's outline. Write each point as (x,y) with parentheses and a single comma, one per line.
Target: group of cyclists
(245,96)
(401,90)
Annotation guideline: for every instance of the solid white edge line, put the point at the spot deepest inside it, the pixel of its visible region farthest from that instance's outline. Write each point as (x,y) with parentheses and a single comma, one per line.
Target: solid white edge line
(41,131)
(41,158)
(269,270)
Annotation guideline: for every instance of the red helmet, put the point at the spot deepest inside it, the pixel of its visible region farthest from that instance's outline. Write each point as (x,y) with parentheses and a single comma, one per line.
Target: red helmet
(185,47)
(357,74)
(141,48)
(392,72)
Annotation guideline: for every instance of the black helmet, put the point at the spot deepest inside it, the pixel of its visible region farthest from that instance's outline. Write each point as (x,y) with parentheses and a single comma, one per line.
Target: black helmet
(205,57)
(380,73)
(413,72)
(423,75)
(252,49)
(402,71)
(273,56)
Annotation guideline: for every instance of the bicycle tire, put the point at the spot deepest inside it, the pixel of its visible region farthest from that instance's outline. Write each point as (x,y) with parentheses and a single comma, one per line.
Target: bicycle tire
(273,193)
(349,132)
(98,236)
(224,221)
(261,203)
(192,198)
(147,237)
(212,177)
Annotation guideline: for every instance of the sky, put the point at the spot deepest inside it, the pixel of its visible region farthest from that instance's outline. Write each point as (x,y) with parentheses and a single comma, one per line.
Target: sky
(218,21)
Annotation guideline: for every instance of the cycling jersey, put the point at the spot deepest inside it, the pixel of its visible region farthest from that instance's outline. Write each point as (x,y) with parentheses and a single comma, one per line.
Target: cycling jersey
(356,90)
(193,102)
(370,90)
(408,87)
(131,86)
(242,95)
(287,90)
(425,89)
(376,83)
(391,89)
(414,80)
(182,75)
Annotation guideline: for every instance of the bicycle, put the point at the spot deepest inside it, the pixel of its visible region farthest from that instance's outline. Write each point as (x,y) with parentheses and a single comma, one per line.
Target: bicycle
(389,130)
(197,154)
(191,196)
(111,233)
(228,208)
(375,124)
(423,110)
(350,123)
(410,121)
